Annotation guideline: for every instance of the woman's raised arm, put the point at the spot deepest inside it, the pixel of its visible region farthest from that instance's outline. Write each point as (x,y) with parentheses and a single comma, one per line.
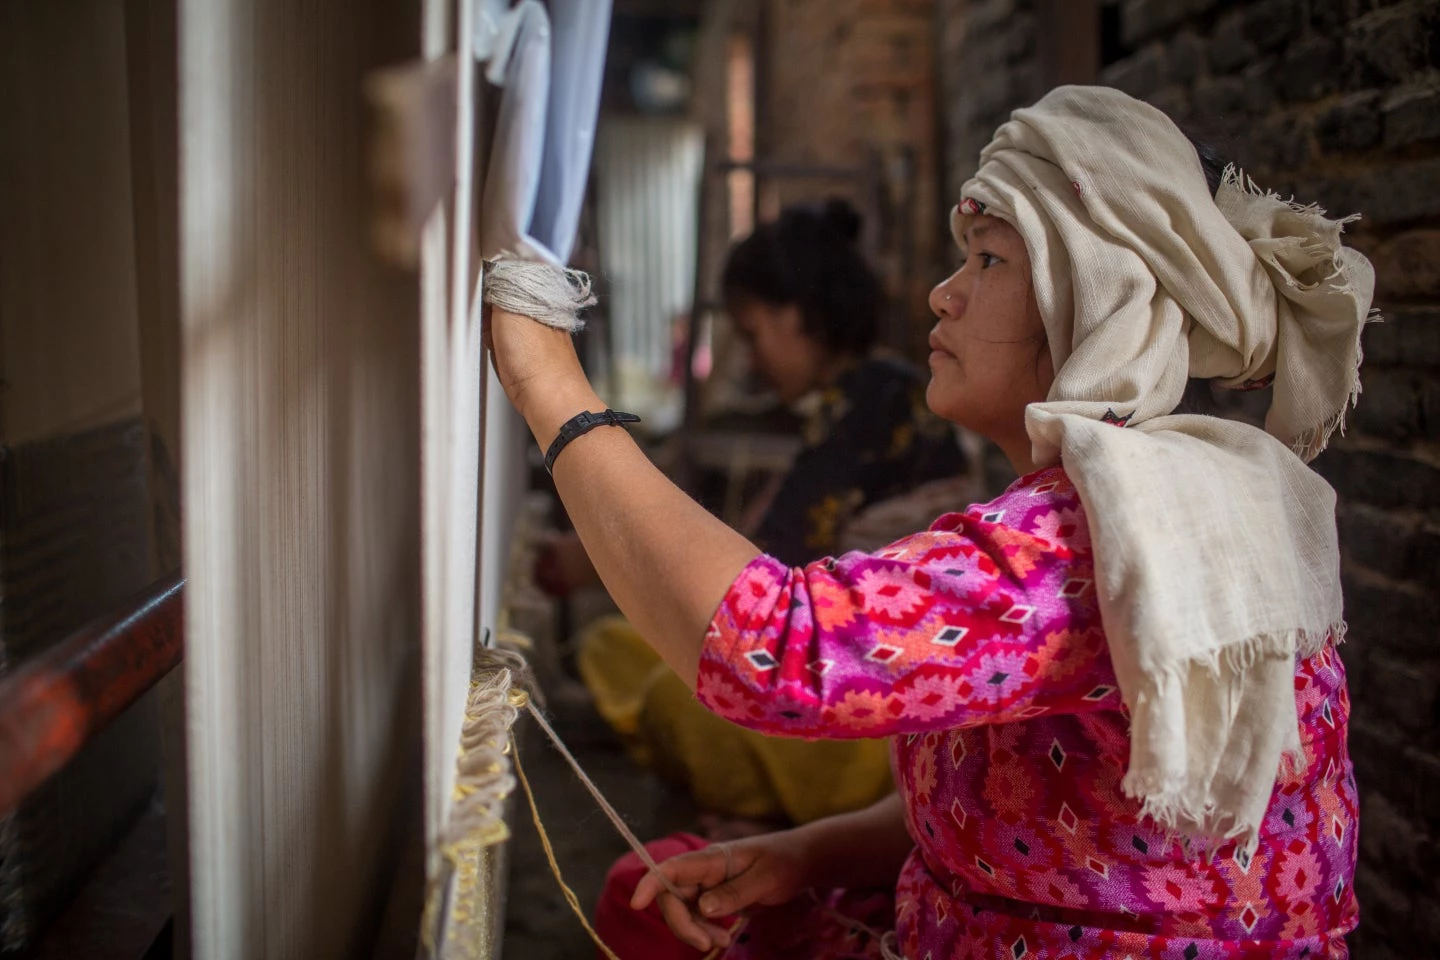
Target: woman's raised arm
(666,561)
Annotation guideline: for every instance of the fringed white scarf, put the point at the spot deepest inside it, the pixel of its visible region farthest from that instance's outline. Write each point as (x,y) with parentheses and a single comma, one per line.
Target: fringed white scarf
(1215,545)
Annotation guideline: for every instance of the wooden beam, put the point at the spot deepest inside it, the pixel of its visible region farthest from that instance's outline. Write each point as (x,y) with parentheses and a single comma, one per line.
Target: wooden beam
(58,700)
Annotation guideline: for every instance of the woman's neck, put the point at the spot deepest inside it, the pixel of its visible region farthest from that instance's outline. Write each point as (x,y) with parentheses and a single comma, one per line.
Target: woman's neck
(1019,452)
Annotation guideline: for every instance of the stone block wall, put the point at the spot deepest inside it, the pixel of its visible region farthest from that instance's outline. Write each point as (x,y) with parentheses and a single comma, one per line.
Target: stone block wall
(1336,101)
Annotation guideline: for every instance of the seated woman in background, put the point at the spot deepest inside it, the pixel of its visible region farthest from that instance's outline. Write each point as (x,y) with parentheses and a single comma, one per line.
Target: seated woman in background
(1118,719)
(804,299)
(808,305)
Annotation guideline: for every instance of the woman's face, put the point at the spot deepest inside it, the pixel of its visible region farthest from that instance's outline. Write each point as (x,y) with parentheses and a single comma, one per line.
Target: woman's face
(989,358)
(789,360)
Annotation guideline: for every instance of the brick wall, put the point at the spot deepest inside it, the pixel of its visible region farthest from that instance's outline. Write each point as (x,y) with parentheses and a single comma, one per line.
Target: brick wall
(1336,101)
(988,67)
(849,83)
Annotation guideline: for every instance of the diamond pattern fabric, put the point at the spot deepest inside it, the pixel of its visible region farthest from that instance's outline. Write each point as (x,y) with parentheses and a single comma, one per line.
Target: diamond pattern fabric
(1009,744)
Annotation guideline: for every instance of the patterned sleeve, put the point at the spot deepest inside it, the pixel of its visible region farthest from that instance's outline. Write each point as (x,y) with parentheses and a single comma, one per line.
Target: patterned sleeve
(988,617)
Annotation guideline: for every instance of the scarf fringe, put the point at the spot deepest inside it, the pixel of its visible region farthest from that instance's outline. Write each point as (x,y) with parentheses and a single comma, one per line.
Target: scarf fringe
(1234,176)
(1321,251)
(1309,445)
(1203,827)
(1240,656)
(1186,810)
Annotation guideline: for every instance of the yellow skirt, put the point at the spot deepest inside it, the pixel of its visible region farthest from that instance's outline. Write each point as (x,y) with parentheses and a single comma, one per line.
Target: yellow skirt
(729,769)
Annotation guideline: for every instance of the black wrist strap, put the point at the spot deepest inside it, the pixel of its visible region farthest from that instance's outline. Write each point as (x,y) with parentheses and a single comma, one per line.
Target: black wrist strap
(581,424)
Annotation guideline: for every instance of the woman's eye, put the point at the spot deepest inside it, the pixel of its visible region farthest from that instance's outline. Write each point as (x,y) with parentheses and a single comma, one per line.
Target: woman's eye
(987,260)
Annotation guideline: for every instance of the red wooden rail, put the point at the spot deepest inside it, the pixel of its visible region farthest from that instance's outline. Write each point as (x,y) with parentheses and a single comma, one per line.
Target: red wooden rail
(51,705)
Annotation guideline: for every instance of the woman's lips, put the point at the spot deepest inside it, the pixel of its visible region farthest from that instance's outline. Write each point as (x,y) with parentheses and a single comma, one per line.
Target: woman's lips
(938,351)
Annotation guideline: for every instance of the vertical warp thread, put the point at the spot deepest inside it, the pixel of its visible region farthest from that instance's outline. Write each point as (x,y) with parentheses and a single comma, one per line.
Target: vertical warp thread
(620,825)
(569,894)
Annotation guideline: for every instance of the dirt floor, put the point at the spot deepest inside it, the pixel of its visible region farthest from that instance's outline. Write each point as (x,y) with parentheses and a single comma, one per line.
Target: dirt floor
(538,923)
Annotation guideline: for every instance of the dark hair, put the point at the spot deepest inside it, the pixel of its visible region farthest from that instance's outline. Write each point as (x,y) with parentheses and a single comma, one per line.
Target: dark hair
(811,258)
(1211,162)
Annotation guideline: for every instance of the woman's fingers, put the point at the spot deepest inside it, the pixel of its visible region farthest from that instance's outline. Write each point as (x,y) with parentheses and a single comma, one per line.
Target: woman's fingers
(686,926)
(650,887)
(730,897)
(727,877)
(719,936)
(698,869)
(646,890)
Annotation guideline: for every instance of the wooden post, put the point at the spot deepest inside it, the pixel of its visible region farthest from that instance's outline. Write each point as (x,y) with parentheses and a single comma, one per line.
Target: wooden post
(152,60)
(1069,43)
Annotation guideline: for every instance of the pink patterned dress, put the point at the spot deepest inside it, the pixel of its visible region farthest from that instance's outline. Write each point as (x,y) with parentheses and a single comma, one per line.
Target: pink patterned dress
(978,647)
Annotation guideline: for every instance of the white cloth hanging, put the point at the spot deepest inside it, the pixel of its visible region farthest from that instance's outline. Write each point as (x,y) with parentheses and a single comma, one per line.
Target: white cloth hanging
(544,136)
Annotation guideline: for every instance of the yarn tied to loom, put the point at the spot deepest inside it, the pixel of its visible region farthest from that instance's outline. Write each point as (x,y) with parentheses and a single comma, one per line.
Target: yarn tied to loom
(500,689)
(552,295)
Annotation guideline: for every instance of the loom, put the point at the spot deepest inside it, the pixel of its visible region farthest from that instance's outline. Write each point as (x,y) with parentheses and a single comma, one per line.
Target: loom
(353,478)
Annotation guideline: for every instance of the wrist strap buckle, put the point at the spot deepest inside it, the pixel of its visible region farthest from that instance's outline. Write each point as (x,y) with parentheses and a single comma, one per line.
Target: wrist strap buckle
(581,424)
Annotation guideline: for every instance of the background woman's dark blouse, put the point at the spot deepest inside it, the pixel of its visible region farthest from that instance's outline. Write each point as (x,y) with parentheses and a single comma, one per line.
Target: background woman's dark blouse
(871,438)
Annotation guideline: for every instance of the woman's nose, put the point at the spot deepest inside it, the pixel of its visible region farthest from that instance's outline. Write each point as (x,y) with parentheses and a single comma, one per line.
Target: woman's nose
(944,297)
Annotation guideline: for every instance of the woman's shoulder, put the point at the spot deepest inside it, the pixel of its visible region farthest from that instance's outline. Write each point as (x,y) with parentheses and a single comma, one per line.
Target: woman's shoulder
(1034,529)
(1043,504)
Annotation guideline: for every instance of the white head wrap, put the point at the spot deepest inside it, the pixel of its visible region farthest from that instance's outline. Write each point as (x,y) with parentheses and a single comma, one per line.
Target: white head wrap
(1215,546)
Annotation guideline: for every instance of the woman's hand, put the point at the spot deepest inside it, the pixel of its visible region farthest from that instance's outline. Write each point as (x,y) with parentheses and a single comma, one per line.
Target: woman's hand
(860,850)
(539,369)
(728,877)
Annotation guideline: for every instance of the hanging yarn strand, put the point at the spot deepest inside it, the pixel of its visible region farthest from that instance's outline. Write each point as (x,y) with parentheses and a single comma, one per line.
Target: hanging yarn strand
(570,897)
(619,823)
(500,689)
(552,295)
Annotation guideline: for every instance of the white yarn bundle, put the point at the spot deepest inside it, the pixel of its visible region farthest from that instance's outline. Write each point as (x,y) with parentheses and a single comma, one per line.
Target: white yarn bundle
(552,295)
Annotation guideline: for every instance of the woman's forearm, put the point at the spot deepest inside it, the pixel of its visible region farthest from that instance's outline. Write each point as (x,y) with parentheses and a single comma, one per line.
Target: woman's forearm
(859,850)
(664,559)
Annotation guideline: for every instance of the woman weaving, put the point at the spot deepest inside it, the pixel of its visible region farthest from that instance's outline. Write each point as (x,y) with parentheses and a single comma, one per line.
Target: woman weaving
(807,304)
(1118,718)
